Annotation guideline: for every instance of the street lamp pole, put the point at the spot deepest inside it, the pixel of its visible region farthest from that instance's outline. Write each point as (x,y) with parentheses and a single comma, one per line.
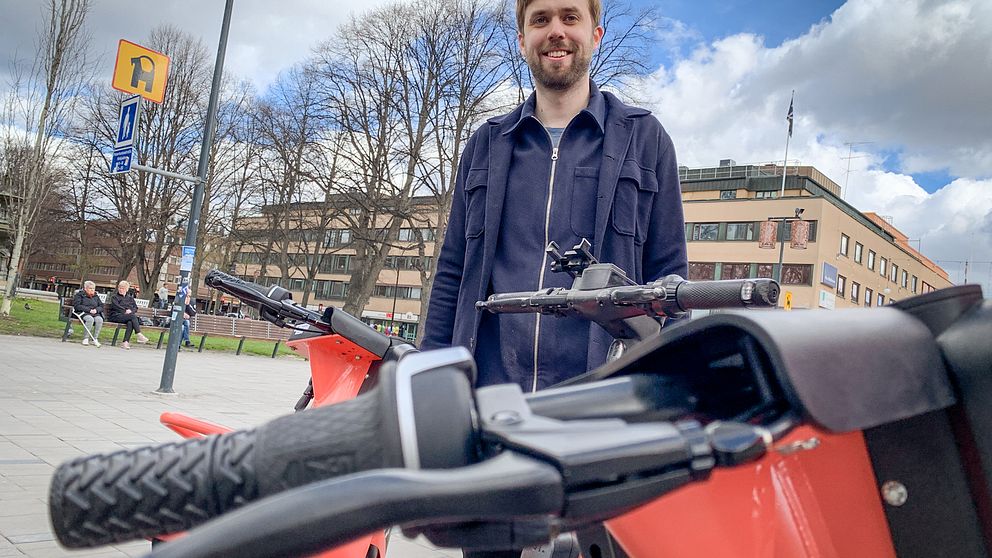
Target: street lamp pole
(777,275)
(396,287)
(184,290)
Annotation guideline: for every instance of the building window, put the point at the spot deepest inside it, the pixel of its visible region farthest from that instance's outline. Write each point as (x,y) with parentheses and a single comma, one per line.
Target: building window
(705,231)
(893,272)
(728,194)
(771,194)
(905,279)
(868,295)
(406,235)
(844,241)
(855,291)
(841,285)
(858,249)
(766,271)
(797,274)
(881,300)
(336,237)
(915,281)
(740,231)
(735,271)
(883,266)
(701,271)
(871,260)
(928,288)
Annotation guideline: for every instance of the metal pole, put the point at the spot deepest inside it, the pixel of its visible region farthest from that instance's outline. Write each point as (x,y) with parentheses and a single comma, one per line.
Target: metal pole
(785,166)
(781,252)
(396,286)
(184,288)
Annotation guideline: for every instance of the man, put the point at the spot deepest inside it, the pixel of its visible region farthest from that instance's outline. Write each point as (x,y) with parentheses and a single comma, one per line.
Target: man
(188,313)
(163,298)
(90,308)
(571,162)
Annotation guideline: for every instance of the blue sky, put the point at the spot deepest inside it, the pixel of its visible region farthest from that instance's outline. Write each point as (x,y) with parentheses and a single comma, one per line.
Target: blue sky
(775,20)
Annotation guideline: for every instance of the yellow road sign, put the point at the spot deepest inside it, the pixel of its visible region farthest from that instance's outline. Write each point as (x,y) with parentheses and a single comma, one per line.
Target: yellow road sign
(788,300)
(141,71)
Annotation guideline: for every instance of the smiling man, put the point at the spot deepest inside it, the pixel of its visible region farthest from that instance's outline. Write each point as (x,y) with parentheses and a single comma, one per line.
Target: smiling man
(571,162)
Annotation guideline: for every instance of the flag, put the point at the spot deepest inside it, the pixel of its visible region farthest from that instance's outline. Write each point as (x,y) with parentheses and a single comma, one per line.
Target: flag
(789,116)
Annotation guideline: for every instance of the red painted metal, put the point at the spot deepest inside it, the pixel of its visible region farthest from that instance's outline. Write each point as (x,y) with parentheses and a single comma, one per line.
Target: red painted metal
(807,503)
(338,368)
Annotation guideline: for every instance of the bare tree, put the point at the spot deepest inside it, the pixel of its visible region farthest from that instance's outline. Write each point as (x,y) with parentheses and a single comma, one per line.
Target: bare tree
(41,104)
(472,74)
(624,51)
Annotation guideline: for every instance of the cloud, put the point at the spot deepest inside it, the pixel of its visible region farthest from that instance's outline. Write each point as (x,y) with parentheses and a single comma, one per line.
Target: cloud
(265,37)
(911,76)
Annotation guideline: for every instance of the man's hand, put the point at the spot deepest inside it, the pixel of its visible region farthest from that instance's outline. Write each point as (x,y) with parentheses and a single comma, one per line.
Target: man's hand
(128,311)
(93,311)
(185,316)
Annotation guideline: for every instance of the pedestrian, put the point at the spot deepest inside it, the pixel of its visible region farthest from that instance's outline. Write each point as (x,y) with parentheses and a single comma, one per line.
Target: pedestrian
(188,313)
(124,310)
(90,307)
(163,297)
(571,162)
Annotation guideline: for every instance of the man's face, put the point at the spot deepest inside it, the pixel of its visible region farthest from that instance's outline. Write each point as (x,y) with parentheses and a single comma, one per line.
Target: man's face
(89,290)
(558,40)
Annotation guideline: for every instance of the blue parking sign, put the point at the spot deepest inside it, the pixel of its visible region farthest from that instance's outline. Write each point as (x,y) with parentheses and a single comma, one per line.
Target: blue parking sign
(121,160)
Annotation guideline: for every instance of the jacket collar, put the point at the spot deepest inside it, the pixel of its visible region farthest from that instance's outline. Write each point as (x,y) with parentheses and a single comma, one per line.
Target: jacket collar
(595,109)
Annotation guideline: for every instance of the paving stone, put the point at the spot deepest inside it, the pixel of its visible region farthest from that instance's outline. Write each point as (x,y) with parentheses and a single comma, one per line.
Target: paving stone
(50,416)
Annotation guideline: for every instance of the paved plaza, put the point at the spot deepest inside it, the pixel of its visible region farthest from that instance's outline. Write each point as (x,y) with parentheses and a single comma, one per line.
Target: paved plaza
(61,400)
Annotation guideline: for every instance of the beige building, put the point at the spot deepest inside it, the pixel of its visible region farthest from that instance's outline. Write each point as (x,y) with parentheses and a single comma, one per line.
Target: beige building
(850,258)
(396,298)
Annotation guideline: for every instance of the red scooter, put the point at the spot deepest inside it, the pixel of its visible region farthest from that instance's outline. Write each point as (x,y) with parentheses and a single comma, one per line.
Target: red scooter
(343,363)
(863,432)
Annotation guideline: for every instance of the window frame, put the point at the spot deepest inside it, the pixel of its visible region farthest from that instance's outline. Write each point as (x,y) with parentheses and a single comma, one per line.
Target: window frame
(845,244)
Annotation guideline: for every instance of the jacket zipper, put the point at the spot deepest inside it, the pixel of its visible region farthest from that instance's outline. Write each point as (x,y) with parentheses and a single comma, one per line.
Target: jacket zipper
(547,234)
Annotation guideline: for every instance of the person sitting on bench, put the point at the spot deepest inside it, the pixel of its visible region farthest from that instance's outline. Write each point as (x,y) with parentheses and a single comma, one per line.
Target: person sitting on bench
(124,310)
(89,309)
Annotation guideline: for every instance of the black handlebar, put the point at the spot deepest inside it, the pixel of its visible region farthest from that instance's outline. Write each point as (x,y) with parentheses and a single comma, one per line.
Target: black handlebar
(145,492)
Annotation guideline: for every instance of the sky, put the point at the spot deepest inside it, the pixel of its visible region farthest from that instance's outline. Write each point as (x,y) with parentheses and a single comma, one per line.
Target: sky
(908,82)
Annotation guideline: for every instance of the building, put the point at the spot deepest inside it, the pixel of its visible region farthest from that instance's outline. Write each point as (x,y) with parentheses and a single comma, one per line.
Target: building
(850,258)
(328,246)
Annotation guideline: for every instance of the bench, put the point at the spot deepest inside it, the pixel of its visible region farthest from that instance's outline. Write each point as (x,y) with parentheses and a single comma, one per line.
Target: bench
(238,328)
(68,317)
(202,324)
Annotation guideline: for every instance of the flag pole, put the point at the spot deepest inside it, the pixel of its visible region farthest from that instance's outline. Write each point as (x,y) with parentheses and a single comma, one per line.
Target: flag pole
(785,162)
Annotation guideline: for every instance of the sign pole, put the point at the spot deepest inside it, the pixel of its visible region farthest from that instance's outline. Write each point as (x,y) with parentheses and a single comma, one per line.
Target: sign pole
(185,289)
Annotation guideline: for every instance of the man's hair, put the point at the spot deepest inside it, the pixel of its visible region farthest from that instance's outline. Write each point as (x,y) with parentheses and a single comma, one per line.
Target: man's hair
(123,283)
(87,284)
(595,8)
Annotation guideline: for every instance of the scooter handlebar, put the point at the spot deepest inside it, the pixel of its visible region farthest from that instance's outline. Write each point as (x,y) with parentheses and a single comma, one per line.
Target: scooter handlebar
(151,491)
(730,293)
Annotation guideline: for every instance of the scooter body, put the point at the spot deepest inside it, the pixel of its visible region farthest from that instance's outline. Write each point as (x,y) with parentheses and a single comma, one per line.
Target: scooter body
(815,496)
(339,369)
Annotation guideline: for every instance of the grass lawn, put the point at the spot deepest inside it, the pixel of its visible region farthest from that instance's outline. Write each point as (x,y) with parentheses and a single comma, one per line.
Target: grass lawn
(43,321)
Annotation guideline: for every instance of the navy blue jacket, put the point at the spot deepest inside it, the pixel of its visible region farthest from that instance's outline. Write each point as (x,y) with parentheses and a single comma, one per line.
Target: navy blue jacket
(632,217)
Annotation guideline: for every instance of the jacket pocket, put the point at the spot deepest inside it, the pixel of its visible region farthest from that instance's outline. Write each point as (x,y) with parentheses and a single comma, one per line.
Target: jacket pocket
(633,199)
(585,185)
(475,202)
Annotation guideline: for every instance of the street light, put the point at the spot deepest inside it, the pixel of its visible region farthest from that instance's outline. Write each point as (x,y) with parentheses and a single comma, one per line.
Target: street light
(777,275)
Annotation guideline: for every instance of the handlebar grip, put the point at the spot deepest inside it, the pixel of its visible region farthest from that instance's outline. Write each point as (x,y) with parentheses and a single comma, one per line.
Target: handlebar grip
(249,292)
(145,492)
(731,293)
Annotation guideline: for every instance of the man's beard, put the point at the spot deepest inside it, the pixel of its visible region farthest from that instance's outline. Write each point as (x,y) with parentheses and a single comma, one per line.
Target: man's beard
(560,80)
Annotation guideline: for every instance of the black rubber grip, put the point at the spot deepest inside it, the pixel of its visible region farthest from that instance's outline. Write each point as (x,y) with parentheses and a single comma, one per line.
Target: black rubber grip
(250,292)
(731,293)
(152,491)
